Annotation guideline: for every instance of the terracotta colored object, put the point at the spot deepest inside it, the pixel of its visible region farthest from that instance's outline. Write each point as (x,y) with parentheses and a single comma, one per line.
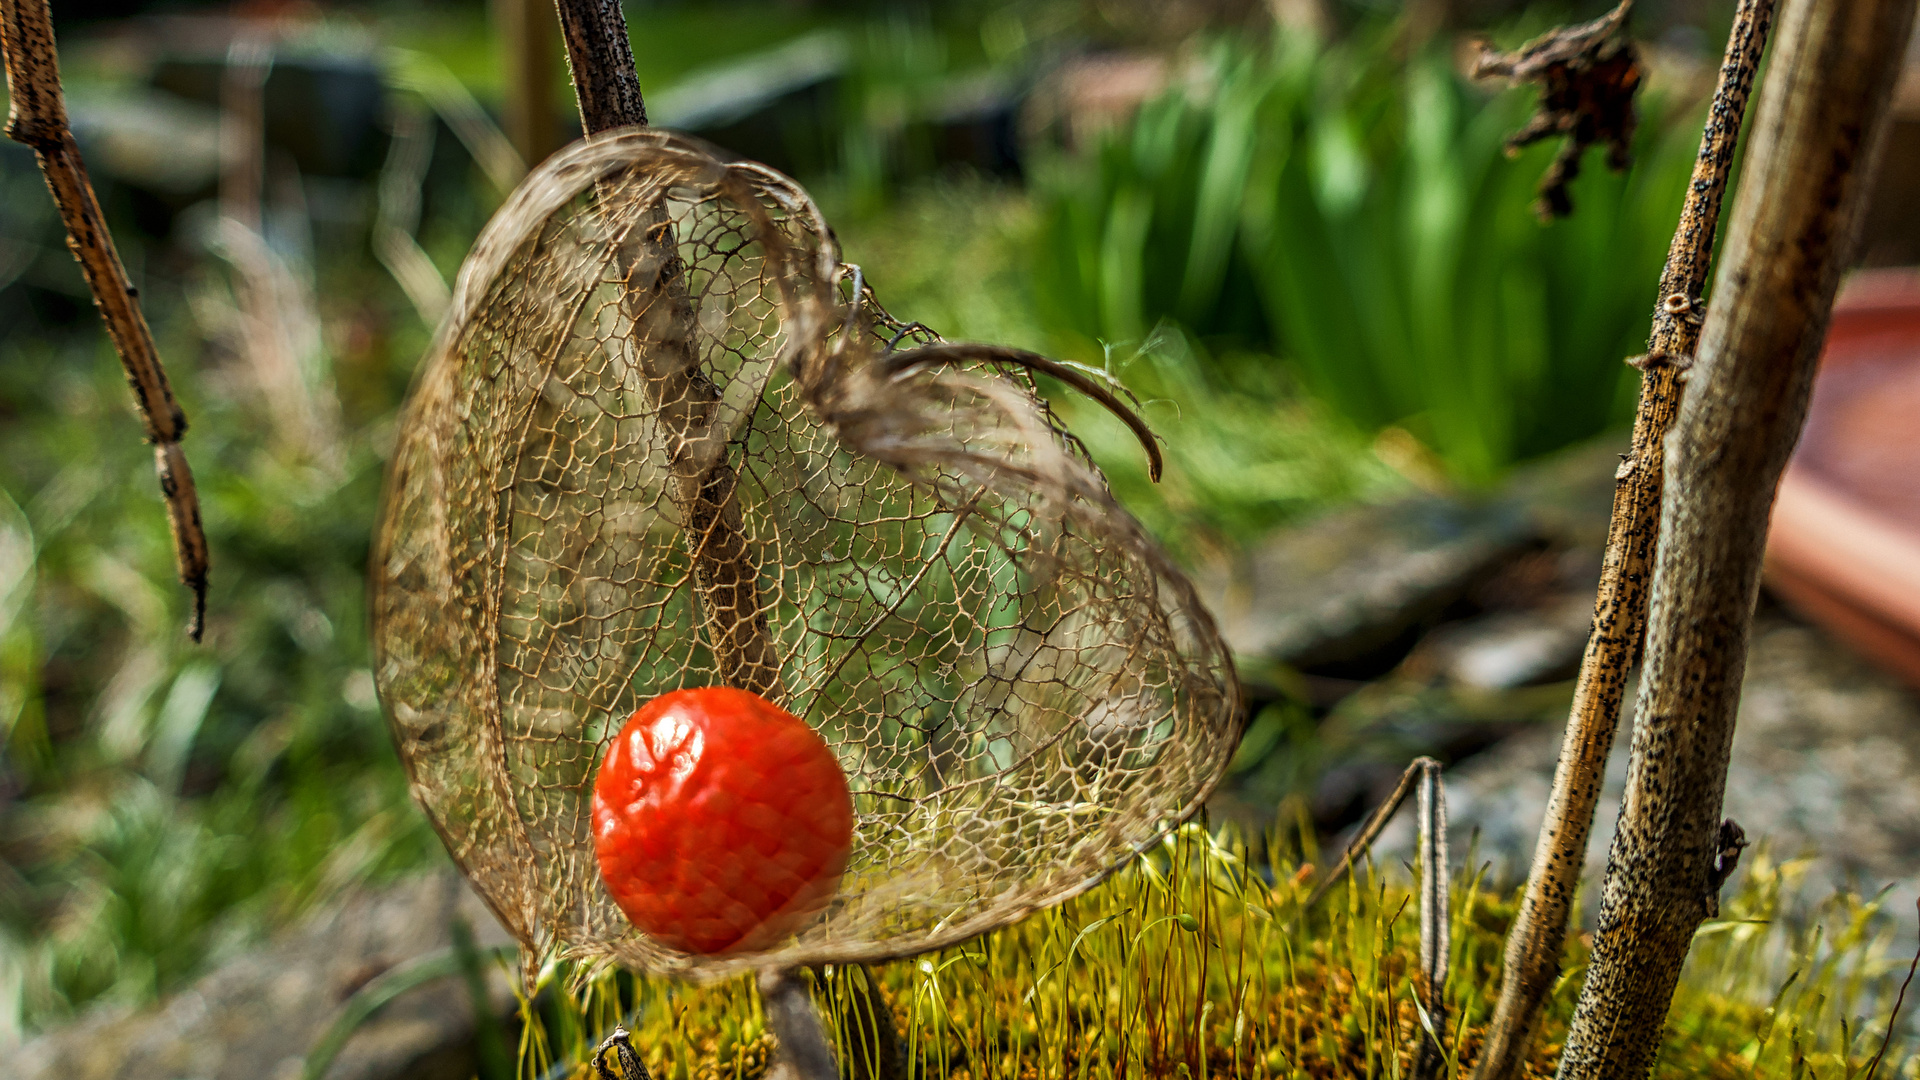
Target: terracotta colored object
(722,822)
(1845,543)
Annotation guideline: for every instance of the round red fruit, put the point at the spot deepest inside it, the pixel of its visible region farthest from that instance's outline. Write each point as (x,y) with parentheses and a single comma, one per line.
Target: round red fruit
(721,821)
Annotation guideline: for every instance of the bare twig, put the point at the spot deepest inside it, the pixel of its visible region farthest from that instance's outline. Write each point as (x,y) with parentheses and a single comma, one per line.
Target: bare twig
(1620,607)
(1377,824)
(1820,116)
(1436,922)
(1894,1017)
(725,575)
(38,118)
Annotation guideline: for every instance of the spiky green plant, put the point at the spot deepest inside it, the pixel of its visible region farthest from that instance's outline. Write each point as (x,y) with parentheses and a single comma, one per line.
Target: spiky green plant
(1354,213)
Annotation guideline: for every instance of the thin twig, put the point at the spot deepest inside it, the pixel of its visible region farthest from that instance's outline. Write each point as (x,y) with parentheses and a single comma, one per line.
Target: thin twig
(726,577)
(1436,921)
(1817,126)
(38,118)
(1375,825)
(1898,1000)
(1620,607)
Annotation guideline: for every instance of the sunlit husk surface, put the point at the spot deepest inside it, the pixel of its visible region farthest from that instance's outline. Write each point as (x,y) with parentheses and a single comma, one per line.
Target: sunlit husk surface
(656,445)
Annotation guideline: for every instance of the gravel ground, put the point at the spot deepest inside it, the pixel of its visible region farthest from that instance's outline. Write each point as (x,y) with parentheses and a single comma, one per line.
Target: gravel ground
(1826,764)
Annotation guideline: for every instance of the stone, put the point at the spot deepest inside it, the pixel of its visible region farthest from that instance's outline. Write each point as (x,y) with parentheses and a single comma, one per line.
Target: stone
(1358,585)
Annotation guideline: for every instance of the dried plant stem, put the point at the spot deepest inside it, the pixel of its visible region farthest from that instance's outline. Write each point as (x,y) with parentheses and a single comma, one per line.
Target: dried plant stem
(38,118)
(1620,608)
(1436,921)
(1423,770)
(1436,924)
(600,58)
(725,576)
(1821,112)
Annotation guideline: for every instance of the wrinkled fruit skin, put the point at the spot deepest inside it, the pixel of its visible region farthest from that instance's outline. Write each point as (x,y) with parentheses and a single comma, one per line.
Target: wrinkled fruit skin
(721,821)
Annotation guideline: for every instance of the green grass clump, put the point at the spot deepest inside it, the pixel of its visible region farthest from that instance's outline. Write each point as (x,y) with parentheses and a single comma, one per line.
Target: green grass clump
(1200,959)
(1353,212)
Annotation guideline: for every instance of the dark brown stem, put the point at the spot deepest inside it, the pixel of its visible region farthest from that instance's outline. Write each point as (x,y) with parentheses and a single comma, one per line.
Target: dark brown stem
(1820,116)
(726,576)
(601,60)
(1620,608)
(38,118)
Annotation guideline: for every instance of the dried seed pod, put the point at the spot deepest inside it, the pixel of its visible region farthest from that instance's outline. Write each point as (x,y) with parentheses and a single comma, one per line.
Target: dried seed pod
(664,439)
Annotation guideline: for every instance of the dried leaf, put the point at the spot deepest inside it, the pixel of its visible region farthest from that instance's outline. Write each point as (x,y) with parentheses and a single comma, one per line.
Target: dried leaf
(1588,75)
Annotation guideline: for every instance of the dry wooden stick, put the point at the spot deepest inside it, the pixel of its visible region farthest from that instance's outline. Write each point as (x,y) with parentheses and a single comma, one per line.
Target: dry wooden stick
(726,577)
(1423,770)
(1822,110)
(600,59)
(38,118)
(1620,608)
(1436,922)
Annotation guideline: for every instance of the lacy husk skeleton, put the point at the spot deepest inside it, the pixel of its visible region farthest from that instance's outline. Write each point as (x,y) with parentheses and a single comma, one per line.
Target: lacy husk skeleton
(665,438)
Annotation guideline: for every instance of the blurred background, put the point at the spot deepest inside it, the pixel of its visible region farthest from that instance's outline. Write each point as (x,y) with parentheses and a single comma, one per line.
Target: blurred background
(1289,227)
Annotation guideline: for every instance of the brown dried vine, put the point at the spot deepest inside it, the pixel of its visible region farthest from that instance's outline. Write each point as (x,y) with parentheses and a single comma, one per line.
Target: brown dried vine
(38,118)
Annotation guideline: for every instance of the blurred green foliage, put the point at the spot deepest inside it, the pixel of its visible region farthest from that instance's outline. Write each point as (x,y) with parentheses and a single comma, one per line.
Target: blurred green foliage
(1356,215)
(669,40)
(1244,452)
(165,801)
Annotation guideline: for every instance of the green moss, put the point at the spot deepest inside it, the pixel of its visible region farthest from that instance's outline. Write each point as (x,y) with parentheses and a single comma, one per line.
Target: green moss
(1201,960)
